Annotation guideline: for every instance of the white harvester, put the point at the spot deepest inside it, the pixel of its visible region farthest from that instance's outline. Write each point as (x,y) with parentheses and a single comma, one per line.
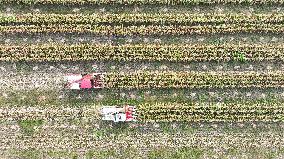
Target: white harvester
(117,114)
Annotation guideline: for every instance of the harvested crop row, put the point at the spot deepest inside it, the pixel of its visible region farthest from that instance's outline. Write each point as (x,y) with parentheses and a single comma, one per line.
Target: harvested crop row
(140,2)
(46,113)
(27,81)
(140,18)
(149,52)
(75,140)
(143,30)
(218,79)
(208,112)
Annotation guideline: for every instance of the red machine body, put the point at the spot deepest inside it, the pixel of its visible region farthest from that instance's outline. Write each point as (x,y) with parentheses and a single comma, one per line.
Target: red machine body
(88,81)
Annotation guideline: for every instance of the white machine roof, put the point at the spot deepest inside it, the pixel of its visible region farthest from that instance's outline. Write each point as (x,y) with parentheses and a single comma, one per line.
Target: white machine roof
(74,77)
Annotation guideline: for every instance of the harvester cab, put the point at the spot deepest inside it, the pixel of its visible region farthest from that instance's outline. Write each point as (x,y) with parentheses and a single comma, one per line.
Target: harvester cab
(119,114)
(87,81)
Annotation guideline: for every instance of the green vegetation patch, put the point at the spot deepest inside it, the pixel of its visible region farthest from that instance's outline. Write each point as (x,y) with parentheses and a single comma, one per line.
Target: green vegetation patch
(28,154)
(31,98)
(102,154)
(181,153)
(28,125)
(39,153)
(159,153)
(62,154)
(254,153)
(239,56)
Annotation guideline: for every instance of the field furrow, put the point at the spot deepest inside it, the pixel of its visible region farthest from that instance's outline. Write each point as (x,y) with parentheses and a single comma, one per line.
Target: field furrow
(64,39)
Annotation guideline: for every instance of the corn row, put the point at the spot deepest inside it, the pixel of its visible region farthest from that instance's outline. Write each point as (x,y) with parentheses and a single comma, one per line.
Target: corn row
(170,111)
(219,79)
(140,2)
(140,18)
(149,52)
(211,112)
(143,30)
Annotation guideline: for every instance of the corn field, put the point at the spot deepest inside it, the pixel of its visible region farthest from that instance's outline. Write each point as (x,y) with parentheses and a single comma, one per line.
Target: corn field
(206,77)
